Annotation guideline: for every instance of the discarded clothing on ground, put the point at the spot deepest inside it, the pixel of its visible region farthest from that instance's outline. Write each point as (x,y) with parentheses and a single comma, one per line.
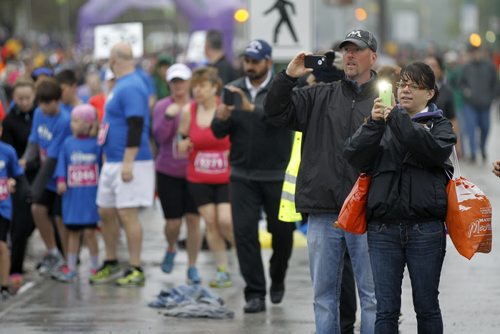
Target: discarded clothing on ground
(191,301)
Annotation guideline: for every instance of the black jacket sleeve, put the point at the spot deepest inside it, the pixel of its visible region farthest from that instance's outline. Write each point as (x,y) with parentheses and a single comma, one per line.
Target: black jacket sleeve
(286,106)
(362,149)
(430,148)
(221,128)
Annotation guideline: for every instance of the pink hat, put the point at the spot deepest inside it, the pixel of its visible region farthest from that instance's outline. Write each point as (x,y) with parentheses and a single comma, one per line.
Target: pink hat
(85,112)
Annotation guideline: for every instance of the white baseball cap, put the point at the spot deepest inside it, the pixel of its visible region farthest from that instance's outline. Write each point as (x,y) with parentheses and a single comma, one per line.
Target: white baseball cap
(179,71)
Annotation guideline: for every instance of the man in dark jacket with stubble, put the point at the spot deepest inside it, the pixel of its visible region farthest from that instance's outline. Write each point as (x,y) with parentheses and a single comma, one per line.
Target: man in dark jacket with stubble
(259,156)
(328,114)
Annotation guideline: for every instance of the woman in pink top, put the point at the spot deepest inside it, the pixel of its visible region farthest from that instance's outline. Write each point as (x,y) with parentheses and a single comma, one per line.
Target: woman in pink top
(172,188)
(208,167)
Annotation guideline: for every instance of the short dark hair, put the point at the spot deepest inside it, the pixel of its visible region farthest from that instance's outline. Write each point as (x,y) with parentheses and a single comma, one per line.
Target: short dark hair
(67,77)
(421,74)
(215,39)
(439,61)
(48,90)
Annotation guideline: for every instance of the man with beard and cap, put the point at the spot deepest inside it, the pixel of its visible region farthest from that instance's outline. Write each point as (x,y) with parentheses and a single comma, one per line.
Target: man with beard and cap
(259,156)
(328,114)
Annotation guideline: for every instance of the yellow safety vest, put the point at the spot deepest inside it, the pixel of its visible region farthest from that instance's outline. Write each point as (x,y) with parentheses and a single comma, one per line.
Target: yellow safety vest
(287,211)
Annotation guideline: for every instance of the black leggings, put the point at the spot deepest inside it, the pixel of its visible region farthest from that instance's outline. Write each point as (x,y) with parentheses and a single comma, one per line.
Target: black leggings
(21,229)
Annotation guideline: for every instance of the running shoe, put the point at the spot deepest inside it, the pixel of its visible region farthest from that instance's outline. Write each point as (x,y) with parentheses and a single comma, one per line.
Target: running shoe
(192,276)
(108,272)
(5,295)
(222,279)
(16,280)
(132,277)
(168,262)
(64,274)
(50,263)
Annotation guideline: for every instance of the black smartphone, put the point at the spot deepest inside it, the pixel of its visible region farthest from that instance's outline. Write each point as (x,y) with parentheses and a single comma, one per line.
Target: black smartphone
(313,61)
(228,97)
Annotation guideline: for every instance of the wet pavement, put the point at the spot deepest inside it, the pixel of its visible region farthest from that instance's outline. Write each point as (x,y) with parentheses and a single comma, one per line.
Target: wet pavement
(470,290)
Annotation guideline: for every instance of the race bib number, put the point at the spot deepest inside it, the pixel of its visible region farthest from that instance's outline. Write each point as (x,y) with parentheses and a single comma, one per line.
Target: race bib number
(4,189)
(211,162)
(82,175)
(103,133)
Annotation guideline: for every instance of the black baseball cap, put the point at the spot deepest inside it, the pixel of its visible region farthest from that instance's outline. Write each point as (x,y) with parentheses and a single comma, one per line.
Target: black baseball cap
(361,38)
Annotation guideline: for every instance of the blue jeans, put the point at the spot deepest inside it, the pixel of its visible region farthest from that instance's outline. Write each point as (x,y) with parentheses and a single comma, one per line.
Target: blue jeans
(475,118)
(422,248)
(326,246)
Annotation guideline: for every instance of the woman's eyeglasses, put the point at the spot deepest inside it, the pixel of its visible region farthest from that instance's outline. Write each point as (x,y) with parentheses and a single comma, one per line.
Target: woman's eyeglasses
(412,86)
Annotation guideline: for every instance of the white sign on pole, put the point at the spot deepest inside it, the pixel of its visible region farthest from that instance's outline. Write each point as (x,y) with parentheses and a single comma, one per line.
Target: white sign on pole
(106,36)
(285,24)
(406,25)
(196,48)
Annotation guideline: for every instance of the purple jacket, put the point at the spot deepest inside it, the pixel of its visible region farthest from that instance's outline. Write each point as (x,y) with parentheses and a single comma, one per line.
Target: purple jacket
(164,131)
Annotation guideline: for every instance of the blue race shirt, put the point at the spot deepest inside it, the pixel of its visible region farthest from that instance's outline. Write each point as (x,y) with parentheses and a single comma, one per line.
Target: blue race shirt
(9,167)
(128,98)
(148,80)
(79,164)
(49,133)
(67,108)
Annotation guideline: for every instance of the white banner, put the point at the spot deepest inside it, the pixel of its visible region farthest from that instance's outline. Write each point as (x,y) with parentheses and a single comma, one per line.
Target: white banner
(106,36)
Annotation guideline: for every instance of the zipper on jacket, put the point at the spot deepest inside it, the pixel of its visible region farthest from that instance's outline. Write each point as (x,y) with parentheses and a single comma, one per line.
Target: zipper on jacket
(350,114)
(349,134)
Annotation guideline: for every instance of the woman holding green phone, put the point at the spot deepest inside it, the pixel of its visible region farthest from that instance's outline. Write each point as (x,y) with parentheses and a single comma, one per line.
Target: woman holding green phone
(405,148)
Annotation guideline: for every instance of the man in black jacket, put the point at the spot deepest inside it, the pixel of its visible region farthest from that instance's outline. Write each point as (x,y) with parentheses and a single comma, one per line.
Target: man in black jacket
(259,156)
(328,114)
(214,51)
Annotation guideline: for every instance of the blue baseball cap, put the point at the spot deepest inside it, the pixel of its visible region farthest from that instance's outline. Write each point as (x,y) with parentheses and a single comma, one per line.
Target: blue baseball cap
(258,49)
(42,71)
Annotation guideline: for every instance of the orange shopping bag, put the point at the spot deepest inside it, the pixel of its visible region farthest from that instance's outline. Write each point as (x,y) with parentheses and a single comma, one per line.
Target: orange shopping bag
(468,217)
(352,216)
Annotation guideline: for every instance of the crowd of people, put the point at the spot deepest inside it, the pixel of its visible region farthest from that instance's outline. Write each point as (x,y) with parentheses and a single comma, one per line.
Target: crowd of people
(214,144)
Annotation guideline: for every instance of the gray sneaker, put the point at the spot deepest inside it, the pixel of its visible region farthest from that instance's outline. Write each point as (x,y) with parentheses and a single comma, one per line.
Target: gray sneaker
(50,264)
(5,295)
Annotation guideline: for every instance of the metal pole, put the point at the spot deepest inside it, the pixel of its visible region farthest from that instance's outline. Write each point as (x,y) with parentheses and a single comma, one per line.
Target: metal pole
(382,32)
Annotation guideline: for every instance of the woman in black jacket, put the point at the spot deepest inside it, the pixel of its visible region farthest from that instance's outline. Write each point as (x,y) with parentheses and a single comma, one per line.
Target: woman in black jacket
(406,149)
(16,130)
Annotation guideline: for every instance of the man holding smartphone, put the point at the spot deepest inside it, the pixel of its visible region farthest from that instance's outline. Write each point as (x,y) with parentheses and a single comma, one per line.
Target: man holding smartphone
(327,115)
(259,156)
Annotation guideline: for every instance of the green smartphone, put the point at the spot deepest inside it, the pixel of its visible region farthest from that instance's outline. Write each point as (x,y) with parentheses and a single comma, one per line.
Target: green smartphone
(385,92)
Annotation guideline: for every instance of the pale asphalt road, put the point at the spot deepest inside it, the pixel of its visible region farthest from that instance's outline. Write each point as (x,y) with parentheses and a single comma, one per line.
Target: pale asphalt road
(470,290)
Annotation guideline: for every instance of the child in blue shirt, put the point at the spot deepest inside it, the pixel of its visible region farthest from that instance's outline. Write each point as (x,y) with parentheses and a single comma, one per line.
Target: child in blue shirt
(77,173)
(49,129)
(9,171)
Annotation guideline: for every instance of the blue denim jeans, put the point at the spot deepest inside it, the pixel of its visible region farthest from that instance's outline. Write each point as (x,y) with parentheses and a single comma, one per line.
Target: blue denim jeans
(422,248)
(475,118)
(326,246)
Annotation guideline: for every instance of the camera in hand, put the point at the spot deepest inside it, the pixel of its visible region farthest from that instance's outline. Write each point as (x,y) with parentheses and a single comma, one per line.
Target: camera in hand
(314,61)
(228,97)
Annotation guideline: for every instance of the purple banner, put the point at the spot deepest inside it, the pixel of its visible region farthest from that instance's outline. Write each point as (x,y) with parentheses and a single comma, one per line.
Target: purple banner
(201,14)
